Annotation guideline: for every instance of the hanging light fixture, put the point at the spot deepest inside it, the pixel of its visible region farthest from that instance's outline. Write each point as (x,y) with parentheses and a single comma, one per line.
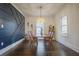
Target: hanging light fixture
(40,10)
(40,19)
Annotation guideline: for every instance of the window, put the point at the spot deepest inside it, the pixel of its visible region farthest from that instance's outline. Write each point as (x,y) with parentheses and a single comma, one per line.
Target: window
(64,24)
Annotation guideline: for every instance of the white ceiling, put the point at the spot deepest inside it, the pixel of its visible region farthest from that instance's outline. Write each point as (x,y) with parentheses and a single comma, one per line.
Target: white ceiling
(32,9)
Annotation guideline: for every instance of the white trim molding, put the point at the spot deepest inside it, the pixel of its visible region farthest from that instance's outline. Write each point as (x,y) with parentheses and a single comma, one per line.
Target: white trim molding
(4,50)
(69,45)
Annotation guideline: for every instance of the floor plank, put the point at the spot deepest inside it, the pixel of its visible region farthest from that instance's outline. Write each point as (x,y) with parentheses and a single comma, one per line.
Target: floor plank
(42,49)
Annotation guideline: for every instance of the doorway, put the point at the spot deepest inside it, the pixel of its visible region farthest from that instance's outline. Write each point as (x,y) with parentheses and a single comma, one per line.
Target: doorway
(39,29)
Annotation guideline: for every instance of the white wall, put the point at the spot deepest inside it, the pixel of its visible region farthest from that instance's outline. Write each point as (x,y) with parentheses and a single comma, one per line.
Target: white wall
(33,20)
(72,38)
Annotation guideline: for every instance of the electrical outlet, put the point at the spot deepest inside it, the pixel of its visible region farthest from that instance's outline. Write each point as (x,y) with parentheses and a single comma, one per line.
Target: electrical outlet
(2,43)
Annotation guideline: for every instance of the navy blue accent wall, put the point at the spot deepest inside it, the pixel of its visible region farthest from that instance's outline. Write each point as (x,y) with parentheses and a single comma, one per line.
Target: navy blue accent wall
(12,25)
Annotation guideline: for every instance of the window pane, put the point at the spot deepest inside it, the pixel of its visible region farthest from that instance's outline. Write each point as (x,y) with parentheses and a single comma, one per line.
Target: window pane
(64,20)
(64,29)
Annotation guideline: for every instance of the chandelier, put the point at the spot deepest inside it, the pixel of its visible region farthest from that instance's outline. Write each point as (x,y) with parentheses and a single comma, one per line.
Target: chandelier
(40,18)
(40,10)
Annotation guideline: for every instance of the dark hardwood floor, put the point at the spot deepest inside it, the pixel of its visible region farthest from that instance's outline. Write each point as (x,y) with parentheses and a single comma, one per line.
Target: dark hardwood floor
(42,49)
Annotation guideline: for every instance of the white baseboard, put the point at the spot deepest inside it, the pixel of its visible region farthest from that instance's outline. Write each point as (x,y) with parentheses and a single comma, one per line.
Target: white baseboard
(69,45)
(2,51)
